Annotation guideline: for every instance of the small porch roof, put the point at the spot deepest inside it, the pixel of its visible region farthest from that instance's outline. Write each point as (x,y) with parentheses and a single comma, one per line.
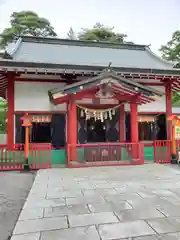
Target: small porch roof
(121,88)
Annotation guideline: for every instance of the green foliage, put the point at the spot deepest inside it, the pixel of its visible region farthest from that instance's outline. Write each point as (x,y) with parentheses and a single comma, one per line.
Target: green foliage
(176,99)
(101,33)
(171,51)
(3,117)
(26,23)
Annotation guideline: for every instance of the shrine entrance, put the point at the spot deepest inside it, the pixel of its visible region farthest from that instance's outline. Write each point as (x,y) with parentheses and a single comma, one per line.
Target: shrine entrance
(96,131)
(100,138)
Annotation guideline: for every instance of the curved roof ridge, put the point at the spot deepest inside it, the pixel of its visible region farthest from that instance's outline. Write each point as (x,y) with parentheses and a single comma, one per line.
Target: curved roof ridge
(159,58)
(12,48)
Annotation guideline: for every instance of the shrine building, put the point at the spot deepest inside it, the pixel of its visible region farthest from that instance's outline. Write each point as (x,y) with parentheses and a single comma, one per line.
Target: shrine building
(81,92)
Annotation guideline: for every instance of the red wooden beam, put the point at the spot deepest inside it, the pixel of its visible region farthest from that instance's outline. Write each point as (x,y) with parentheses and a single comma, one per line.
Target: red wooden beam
(132,93)
(84,93)
(151,83)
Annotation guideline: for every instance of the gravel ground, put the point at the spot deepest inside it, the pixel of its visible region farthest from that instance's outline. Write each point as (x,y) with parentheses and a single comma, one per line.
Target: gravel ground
(14,188)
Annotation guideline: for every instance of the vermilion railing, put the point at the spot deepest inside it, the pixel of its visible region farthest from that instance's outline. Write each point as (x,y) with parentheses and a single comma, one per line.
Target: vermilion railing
(105,154)
(41,155)
(14,159)
(162,151)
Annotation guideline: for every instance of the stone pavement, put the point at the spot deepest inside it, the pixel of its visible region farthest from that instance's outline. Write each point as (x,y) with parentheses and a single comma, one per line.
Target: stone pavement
(14,188)
(137,202)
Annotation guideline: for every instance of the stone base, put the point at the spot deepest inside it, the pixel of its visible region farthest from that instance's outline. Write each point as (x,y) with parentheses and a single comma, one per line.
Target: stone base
(26,165)
(173,159)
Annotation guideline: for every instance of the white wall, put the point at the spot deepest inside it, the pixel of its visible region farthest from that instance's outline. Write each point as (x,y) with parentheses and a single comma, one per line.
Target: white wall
(34,97)
(156,106)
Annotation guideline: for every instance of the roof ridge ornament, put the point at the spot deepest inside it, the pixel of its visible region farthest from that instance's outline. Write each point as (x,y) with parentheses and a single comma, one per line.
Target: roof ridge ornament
(108,69)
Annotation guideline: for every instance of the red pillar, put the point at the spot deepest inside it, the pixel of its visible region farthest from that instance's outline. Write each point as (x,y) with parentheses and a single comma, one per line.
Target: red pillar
(72,129)
(10,113)
(122,124)
(135,154)
(134,122)
(168,91)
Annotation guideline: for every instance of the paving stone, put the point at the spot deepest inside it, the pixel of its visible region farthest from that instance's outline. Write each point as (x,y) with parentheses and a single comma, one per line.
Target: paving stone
(149,202)
(62,194)
(170,211)
(104,185)
(45,203)
(174,200)
(164,193)
(124,230)
(92,219)
(86,185)
(171,236)
(139,213)
(175,190)
(122,197)
(81,233)
(66,210)
(84,200)
(99,192)
(109,207)
(152,237)
(164,225)
(37,225)
(33,213)
(31,236)
(146,194)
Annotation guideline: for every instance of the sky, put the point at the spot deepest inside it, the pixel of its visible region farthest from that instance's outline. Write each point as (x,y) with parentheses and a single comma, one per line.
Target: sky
(144,21)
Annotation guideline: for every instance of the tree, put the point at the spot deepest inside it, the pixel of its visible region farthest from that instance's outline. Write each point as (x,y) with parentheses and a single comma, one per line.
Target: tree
(71,34)
(171,51)
(101,33)
(3,115)
(176,99)
(26,23)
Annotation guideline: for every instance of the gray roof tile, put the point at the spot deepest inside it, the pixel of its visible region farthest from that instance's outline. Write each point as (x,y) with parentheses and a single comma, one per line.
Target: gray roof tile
(59,51)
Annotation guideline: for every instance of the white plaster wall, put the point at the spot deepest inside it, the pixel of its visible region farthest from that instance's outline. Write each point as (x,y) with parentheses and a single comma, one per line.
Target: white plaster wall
(34,97)
(159,105)
(156,106)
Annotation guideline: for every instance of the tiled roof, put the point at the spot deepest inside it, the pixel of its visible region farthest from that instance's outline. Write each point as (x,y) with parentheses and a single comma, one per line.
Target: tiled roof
(73,52)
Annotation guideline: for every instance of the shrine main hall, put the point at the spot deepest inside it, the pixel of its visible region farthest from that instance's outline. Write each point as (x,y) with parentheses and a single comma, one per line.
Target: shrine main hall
(82,94)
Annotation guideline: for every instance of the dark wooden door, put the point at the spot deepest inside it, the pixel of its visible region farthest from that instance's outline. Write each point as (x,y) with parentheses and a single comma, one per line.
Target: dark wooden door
(58,124)
(81,127)
(112,128)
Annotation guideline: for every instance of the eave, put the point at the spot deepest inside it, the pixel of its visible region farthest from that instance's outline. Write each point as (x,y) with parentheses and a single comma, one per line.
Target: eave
(9,66)
(122,89)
